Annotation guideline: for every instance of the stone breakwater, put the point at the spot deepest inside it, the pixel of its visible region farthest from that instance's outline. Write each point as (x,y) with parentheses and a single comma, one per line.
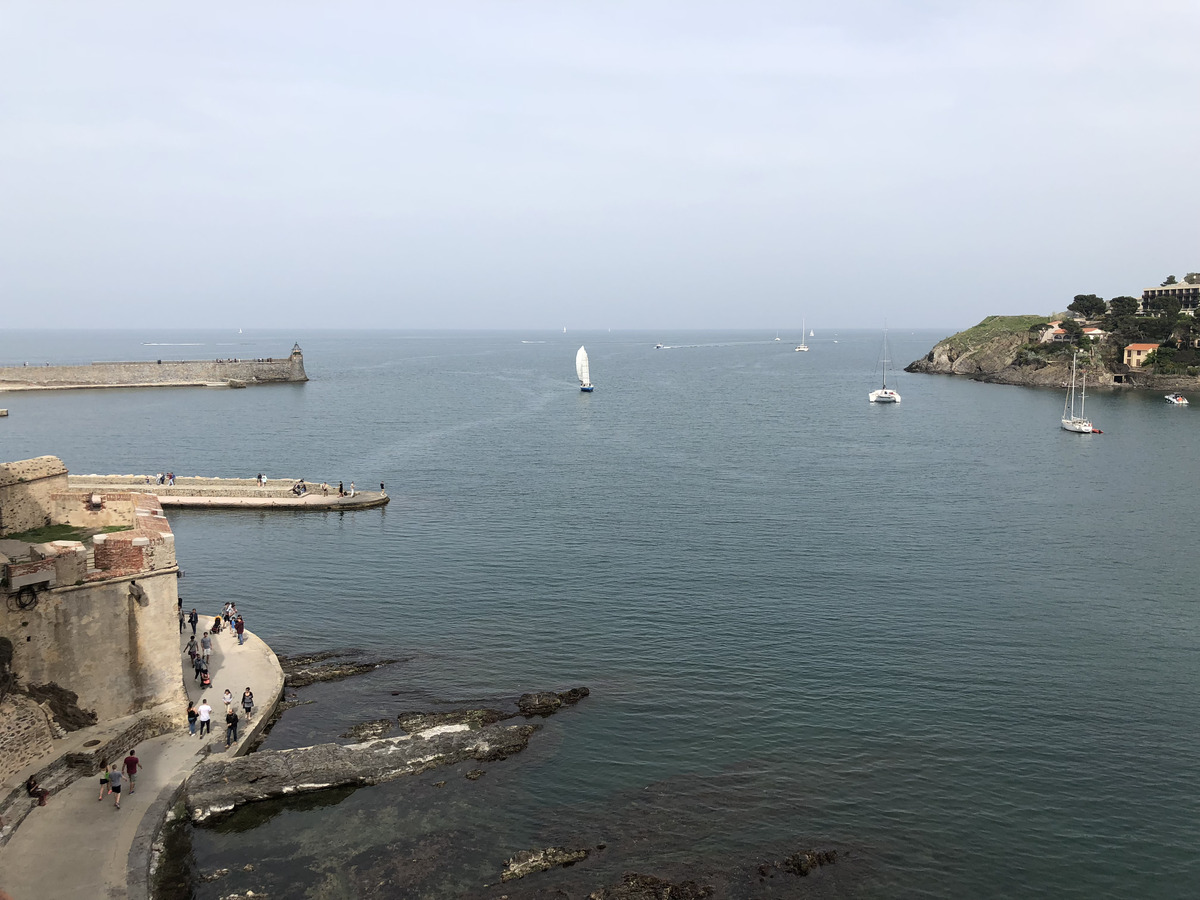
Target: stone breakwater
(157,373)
(230,493)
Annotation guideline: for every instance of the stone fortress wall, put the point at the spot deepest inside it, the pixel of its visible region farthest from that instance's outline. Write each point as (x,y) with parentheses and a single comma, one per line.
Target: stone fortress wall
(25,491)
(163,372)
(103,624)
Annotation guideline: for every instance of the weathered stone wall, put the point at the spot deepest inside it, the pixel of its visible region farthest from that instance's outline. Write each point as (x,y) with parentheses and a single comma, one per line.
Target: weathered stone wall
(164,372)
(72,508)
(26,487)
(24,734)
(117,650)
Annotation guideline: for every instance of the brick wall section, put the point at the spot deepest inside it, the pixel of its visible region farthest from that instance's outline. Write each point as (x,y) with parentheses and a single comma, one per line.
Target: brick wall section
(148,546)
(24,734)
(167,372)
(25,490)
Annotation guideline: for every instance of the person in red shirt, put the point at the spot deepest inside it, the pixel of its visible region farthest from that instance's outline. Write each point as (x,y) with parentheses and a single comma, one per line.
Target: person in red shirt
(130,768)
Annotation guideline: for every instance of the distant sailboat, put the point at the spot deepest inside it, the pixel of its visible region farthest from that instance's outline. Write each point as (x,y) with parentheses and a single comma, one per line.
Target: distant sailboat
(803,347)
(1070,421)
(885,394)
(581,369)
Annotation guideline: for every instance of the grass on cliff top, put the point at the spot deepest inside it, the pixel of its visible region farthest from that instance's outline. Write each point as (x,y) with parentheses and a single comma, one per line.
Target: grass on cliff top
(61,533)
(991,328)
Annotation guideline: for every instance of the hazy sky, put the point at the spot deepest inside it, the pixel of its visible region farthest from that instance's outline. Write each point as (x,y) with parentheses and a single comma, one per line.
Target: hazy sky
(593,165)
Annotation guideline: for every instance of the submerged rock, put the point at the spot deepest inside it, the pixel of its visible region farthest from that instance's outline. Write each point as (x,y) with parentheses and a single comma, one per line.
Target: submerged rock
(529,861)
(301,671)
(647,887)
(545,703)
(219,786)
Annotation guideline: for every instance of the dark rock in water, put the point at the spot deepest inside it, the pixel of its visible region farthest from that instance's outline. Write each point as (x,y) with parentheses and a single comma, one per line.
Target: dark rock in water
(647,887)
(370,731)
(475,718)
(439,784)
(218,786)
(807,861)
(545,703)
(475,774)
(529,861)
(303,675)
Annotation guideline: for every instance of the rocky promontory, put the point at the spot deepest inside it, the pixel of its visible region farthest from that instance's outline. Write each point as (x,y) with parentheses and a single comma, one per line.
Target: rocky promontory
(1009,350)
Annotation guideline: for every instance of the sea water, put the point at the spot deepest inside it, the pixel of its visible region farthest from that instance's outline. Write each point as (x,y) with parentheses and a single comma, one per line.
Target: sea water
(945,637)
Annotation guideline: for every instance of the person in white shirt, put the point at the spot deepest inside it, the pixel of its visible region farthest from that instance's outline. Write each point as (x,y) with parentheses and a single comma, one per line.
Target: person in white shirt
(205,717)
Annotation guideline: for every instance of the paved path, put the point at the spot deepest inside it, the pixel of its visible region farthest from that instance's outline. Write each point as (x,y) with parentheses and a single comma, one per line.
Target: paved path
(78,847)
(231,493)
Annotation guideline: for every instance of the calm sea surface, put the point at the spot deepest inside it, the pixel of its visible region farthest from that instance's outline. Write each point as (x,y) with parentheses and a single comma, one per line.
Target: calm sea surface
(947,638)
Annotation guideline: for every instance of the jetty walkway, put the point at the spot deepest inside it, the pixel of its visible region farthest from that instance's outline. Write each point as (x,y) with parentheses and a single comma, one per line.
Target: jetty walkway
(231,493)
(80,848)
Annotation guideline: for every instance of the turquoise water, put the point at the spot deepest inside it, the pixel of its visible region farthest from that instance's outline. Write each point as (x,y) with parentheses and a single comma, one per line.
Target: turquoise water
(945,637)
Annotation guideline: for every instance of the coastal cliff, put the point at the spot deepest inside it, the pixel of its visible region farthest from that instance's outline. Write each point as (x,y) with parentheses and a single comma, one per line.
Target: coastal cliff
(1008,350)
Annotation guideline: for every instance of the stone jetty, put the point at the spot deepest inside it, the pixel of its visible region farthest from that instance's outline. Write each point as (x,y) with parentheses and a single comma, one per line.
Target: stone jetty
(157,373)
(232,493)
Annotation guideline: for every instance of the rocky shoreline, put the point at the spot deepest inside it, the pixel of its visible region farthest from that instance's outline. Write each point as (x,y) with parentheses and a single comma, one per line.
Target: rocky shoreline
(1000,358)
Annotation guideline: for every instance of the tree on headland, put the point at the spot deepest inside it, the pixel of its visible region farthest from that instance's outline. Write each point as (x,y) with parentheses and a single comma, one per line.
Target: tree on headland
(1072,328)
(1170,280)
(1191,278)
(1123,307)
(1088,305)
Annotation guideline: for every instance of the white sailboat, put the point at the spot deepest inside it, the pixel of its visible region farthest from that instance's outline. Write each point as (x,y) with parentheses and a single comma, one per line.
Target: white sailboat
(803,347)
(1070,421)
(885,394)
(584,373)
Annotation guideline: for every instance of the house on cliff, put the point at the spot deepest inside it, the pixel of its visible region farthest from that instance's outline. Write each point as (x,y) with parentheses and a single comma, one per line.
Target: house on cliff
(1135,354)
(89,611)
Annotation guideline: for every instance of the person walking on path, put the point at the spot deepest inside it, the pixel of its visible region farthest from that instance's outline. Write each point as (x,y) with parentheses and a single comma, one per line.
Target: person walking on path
(104,788)
(192,717)
(341,490)
(205,712)
(192,648)
(231,724)
(193,620)
(352,489)
(130,768)
(114,782)
(228,698)
(247,702)
(206,647)
(240,627)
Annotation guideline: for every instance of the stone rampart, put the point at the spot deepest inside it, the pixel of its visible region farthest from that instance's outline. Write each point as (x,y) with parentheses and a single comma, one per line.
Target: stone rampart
(163,372)
(26,488)
(24,734)
(113,642)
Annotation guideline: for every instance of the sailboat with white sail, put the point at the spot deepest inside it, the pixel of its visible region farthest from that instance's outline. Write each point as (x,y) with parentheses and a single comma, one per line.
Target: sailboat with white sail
(1071,422)
(885,394)
(802,347)
(583,371)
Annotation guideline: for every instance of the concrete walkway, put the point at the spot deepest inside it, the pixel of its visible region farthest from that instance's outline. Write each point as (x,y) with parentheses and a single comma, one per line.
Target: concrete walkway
(81,848)
(231,493)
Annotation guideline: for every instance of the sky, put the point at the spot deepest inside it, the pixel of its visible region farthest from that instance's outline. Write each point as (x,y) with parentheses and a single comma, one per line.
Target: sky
(624,165)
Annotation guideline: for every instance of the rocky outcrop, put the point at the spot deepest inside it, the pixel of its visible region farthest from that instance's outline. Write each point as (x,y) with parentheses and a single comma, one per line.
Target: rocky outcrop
(219,786)
(331,665)
(529,861)
(545,703)
(476,718)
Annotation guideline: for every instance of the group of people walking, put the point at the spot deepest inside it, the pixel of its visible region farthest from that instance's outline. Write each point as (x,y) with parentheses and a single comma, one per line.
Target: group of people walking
(112,777)
(200,653)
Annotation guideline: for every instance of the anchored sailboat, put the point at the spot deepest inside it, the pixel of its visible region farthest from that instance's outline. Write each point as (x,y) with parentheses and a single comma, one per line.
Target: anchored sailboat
(1070,421)
(885,394)
(581,369)
(803,347)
